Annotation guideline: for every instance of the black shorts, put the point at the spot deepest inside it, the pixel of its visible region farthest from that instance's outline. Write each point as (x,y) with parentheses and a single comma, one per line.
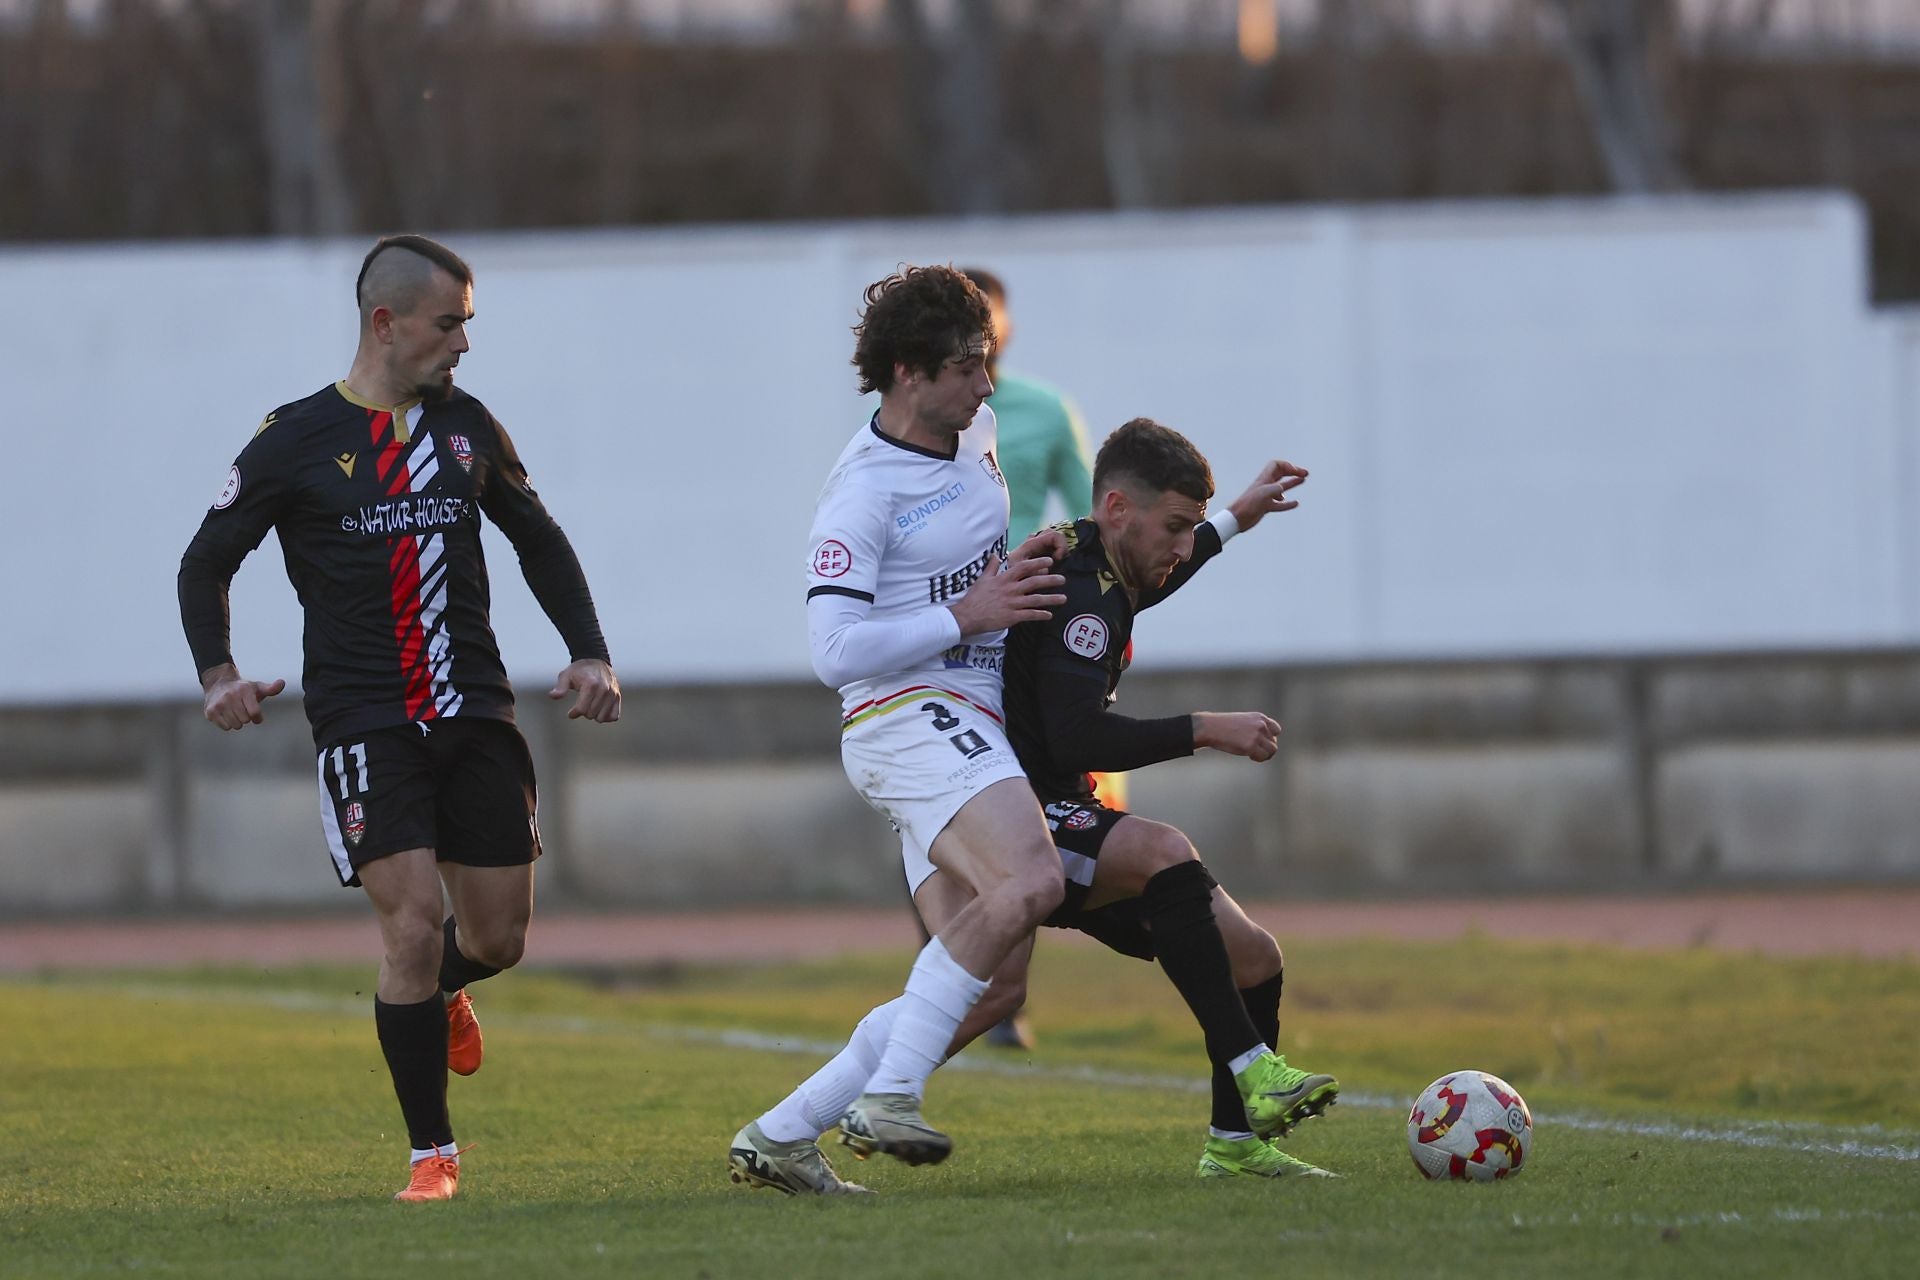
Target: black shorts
(462,786)
(1079,828)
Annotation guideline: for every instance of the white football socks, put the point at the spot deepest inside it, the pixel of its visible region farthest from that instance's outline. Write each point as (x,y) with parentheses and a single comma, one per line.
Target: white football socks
(939,994)
(823,1097)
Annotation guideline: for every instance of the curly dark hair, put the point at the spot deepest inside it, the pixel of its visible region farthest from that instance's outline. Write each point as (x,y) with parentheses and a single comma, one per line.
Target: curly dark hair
(1153,457)
(918,317)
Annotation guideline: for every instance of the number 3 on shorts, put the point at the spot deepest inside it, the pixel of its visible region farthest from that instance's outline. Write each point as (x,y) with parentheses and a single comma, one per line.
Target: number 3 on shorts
(968,743)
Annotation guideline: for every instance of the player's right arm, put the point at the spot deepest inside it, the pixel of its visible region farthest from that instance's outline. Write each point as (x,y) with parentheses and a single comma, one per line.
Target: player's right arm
(847,644)
(249,503)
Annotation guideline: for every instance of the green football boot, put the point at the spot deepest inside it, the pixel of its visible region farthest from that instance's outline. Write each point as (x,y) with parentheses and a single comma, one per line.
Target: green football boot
(1278,1097)
(1253,1158)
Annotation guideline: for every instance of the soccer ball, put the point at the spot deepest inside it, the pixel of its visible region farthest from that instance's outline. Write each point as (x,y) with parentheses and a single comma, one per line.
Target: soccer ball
(1469,1125)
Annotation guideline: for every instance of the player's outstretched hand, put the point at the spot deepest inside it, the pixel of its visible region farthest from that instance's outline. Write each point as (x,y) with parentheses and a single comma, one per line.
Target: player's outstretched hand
(1268,492)
(1241,733)
(598,687)
(231,700)
(1007,595)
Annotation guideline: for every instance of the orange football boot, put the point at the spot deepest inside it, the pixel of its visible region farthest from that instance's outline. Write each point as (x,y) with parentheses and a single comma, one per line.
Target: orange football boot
(464,1046)
(435,1178)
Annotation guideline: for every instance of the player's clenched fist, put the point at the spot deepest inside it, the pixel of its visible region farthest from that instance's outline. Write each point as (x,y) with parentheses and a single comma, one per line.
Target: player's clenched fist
(1241,733)
(231,700)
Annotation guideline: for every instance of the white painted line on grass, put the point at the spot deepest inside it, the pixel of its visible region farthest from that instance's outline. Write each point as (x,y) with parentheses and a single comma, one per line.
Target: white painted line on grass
(1861,1142)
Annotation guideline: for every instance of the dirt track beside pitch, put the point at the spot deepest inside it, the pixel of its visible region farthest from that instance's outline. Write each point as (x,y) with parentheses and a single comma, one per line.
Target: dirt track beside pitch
(1867,922)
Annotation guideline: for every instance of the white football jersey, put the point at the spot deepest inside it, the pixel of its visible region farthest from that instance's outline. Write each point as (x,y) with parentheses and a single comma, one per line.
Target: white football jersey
(907,529)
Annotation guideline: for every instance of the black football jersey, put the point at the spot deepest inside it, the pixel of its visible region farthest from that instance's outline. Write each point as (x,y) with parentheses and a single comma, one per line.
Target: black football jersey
(378,515)
(1062,675)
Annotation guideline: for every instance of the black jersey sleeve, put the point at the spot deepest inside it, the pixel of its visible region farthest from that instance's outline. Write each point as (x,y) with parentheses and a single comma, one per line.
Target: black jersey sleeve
(1206,545)
(250,502)
(547,558)
(1079,658)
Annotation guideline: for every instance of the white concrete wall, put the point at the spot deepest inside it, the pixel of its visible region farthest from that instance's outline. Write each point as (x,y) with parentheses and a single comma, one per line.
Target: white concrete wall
(1555,427)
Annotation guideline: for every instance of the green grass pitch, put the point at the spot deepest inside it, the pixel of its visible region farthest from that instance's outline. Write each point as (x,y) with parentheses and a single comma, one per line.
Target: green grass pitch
(1697,1114)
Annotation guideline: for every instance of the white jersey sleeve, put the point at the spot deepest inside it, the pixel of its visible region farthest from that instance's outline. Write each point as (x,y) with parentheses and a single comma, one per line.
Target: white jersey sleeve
(899,534)
(849,539)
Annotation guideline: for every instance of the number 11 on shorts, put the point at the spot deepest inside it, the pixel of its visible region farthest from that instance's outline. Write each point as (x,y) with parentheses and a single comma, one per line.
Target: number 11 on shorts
(359,753)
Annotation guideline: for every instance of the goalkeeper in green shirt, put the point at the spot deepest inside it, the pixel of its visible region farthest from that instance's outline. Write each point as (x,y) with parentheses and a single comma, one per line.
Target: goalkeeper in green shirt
(1043,444)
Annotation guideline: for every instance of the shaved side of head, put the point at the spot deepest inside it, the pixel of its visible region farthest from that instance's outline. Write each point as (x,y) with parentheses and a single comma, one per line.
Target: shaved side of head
(398,270)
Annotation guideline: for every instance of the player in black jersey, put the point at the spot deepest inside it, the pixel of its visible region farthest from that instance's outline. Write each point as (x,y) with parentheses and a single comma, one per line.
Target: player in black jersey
(1139,886)
(375,486)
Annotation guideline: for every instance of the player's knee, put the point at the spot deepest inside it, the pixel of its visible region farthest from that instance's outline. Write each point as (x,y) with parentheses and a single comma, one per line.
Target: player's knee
(497,948)
(1169,847)
(1039,889)
(1256,957)
(413,944)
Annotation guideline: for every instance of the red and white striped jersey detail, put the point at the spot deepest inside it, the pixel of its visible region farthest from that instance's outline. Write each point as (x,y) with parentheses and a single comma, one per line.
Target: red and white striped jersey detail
(418,571)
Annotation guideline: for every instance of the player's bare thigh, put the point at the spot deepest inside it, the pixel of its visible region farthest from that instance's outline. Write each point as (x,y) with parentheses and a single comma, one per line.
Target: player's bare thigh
(493,906)
(997,848)
(998,836)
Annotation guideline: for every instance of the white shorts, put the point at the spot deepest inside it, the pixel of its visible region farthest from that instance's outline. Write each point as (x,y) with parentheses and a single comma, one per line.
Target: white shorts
(917,756)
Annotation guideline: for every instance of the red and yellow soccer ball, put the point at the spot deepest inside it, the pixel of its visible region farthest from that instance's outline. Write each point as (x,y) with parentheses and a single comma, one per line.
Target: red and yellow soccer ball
(1468,1125)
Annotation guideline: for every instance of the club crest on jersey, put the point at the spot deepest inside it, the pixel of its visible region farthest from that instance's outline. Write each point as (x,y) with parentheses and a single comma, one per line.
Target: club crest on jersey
(355,825)
(462,451)
(1086,635)
(831,559)
(992,468)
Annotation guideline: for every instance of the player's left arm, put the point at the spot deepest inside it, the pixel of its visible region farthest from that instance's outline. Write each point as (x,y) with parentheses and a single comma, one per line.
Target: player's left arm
(552,570)
(1267,494)
(1080,734)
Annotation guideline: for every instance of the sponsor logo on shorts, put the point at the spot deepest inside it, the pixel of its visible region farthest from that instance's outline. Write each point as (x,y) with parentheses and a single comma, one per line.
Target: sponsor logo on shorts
(230,490)
(1086,635)
(1081,819)
(356,823)
(977,657)
(831,559)
(462,451)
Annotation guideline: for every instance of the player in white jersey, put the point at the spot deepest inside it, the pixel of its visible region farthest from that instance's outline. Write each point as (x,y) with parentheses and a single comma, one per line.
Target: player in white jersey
(910,593)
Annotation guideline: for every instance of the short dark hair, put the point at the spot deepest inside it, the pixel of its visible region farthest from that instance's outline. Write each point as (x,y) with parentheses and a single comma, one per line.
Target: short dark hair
(1153,457)
(432,250)
(918,317)
(990,284)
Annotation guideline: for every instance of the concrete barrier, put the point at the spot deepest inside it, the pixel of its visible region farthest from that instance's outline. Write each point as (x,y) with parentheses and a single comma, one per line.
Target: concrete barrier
(1408,778)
